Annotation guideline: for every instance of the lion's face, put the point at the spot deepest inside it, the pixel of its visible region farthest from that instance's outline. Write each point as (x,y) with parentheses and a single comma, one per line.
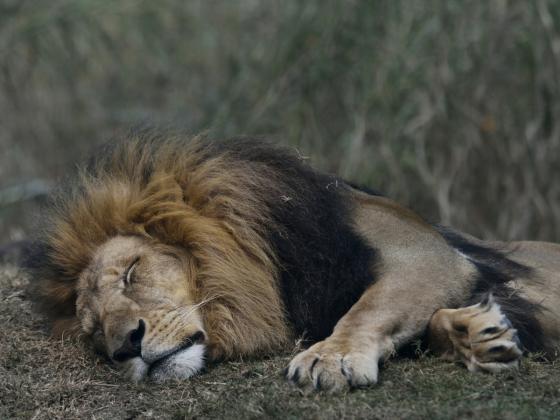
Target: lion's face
(135,300)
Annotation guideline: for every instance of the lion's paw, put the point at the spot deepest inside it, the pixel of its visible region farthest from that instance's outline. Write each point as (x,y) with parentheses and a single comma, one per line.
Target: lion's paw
(325,366)
(495,345)
(493,342)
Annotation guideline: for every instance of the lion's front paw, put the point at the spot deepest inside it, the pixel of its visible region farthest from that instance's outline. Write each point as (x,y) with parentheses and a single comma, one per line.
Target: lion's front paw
(327,366)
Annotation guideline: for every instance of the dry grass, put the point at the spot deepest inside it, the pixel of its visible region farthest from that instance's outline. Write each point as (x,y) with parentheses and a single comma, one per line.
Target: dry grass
(44,379)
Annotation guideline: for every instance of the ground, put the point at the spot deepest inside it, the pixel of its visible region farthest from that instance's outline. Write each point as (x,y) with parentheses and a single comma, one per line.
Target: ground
(43,378)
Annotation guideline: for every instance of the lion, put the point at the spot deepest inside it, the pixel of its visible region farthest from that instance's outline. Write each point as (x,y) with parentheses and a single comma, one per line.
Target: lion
(169,252)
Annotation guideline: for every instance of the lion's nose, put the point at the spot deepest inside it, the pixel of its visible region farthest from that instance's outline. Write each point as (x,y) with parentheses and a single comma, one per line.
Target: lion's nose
(132,345)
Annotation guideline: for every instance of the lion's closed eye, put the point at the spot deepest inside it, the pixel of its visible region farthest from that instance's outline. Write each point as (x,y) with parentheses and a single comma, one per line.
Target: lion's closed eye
(129,274)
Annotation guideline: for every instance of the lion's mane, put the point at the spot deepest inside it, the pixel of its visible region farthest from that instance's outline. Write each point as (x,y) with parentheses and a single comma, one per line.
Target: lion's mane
(274,249)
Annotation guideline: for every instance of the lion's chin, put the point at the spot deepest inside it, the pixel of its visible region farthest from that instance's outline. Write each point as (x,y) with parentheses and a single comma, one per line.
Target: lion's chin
(180,365)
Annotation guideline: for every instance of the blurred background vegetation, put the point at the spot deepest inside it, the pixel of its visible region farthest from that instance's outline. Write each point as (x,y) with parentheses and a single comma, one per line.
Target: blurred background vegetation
(449,106)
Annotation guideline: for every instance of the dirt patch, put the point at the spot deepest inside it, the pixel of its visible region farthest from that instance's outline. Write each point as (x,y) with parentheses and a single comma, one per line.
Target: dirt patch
(42,378)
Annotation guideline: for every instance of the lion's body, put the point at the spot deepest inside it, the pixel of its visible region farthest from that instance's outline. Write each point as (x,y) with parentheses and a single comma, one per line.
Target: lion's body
(524,276)
(275,250)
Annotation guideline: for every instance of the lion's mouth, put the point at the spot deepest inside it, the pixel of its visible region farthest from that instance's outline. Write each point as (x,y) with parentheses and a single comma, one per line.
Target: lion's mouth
(161,362)
(165,358)
(197,338)
(179,364)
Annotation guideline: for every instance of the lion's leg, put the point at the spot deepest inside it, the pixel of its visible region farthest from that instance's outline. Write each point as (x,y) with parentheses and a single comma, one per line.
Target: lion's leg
(417,273)
(350,356)
(480,336)
(385,317)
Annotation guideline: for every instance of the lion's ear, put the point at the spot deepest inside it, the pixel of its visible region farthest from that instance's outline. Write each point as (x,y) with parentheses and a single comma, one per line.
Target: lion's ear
(66,328)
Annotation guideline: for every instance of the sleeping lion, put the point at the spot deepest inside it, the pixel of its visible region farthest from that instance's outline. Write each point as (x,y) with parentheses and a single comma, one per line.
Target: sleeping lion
(169,252)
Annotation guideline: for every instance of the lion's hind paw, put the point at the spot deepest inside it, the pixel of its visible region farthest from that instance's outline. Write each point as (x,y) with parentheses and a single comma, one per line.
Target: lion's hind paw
(483,338)
(495,344)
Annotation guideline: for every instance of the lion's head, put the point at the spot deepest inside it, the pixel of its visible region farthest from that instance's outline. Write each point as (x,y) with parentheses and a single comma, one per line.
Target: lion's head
(157,252)
(136,298)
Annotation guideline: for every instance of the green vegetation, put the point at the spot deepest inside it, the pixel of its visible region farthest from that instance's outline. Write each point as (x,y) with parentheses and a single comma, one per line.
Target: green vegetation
(449,106)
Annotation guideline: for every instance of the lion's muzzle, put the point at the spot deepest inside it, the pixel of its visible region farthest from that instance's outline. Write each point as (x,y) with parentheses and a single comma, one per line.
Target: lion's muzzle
(140,359)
